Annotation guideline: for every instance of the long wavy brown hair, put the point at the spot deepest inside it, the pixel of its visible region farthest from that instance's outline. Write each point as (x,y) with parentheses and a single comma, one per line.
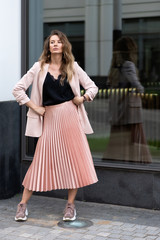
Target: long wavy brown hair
(66,68)
(125,50)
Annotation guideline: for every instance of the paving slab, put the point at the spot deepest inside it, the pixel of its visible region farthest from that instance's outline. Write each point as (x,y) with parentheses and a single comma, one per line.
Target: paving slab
(109,222)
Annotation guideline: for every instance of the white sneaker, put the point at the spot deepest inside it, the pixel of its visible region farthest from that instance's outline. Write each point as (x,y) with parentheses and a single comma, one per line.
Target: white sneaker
(69,212)
(22,212)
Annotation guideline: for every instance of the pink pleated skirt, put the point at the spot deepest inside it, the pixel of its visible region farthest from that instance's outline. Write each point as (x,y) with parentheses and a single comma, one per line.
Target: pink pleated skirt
(62,158)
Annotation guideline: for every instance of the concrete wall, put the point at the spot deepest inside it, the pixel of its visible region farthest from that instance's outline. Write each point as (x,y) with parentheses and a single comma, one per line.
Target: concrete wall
(10,47)
(10,70)
(140,8)
(64,11)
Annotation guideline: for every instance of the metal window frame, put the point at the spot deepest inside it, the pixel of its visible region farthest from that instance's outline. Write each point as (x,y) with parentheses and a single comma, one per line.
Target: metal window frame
(24,67)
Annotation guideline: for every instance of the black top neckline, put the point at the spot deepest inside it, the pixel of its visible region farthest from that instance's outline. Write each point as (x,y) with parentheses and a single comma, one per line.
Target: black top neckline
(54,92)
(55,79)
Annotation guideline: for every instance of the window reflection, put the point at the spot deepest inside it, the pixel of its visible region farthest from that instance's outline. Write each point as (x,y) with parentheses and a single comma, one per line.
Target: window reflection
(113,142)
(146,33)
(127,139)
(122,143)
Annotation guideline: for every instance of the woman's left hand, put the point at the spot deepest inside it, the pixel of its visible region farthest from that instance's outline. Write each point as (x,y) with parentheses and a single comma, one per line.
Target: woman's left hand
(78,100)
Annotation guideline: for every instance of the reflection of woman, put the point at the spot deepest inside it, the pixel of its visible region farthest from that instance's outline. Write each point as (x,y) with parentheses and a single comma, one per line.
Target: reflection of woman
(56,115)
(127,140)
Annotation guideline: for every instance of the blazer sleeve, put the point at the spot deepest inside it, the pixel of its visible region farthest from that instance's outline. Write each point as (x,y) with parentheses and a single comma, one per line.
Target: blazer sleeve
(19,91)
(129,71)
(90,88)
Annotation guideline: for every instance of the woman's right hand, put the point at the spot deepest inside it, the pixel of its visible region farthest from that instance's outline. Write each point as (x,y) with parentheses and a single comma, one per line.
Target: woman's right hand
(40,110)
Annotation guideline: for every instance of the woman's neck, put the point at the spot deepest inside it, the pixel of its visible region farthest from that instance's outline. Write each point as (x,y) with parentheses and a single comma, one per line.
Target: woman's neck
(56,59)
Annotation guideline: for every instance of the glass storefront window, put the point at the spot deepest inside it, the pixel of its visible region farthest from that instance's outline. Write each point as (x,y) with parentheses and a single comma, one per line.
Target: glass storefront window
(117,142)
(112,143)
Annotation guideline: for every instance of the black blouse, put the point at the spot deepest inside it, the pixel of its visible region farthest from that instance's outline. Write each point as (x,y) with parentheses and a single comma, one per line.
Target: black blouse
(55,93)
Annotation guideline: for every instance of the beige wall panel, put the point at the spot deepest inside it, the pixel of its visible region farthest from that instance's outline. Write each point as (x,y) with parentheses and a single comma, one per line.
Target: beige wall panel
(74,10)
(63,19)
(63,3)
(64,10)
(140,8)
(60,15)
(139,1)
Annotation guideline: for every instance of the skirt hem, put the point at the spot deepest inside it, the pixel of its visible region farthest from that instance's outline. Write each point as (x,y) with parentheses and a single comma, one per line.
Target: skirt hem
(59,188)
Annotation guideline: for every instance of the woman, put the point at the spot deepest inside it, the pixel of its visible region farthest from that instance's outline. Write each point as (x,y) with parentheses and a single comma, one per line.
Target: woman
(127,134)
(56,115)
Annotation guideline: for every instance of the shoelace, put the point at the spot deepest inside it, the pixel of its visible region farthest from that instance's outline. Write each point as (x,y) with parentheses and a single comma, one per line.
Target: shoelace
(21,207)
(69,208)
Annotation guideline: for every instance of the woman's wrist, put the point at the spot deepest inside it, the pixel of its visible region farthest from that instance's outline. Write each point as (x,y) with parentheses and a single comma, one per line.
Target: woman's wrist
(31,105)
(84,98)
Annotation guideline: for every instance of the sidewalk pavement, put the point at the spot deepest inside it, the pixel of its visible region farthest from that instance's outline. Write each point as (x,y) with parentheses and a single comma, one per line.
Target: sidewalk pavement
(110,222)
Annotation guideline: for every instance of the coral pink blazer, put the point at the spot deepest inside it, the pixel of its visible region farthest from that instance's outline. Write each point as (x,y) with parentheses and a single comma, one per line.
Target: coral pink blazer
(36,77)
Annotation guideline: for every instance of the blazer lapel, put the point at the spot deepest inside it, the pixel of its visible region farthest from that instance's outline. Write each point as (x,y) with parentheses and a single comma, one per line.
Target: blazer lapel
(75,88)
(42,77)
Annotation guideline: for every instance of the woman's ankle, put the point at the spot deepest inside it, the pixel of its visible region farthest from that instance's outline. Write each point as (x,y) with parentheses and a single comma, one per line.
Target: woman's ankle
(23,202)
(70,202)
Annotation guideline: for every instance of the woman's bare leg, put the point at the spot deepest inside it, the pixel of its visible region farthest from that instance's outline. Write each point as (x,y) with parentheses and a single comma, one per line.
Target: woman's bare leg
(22,212)
(26,195)
(71,195)
(70,212)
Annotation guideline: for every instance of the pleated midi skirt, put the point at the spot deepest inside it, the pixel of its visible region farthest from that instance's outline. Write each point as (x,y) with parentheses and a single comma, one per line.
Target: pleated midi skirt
(62,158)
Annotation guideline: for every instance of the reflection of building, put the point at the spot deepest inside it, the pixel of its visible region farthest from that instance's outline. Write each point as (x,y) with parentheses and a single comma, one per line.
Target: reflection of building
(89,26)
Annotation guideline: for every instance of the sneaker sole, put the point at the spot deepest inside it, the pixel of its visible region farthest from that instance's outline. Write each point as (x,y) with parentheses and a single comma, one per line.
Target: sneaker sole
(21,219)
(70,219)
